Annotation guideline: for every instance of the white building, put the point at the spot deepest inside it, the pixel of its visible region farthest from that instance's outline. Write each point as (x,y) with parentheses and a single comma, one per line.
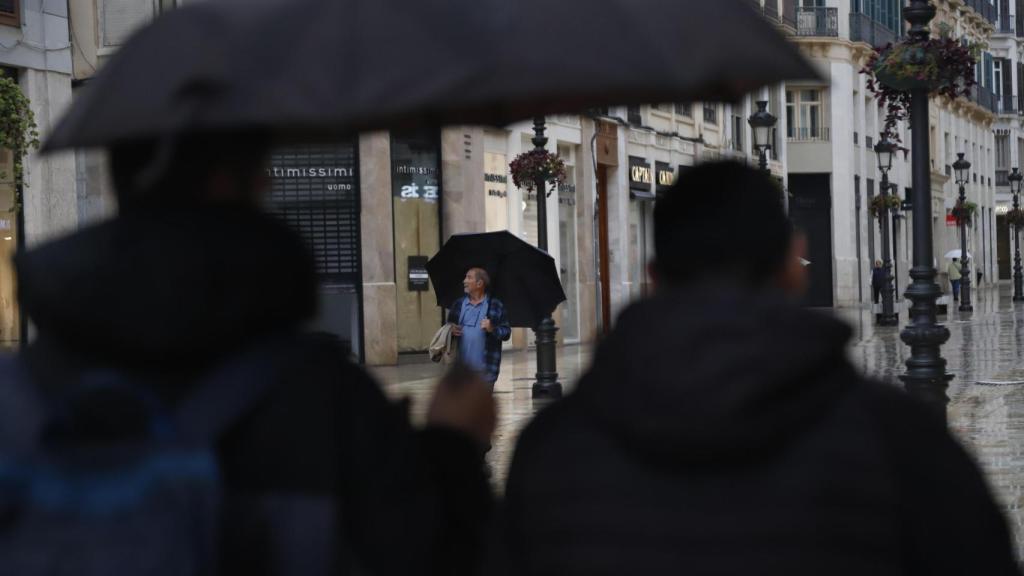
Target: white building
(1007,47)
(833,125)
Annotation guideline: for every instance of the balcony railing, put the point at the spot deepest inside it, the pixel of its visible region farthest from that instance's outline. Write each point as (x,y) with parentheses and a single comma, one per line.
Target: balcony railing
(817,21)
(982,7)
(1006,25)
(863,28)
(984,98)
(1008,105)
(1002,177)
(819,134)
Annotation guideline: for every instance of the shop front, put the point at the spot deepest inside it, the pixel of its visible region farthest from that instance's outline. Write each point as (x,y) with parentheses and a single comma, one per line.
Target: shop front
(416,202)
(315,190)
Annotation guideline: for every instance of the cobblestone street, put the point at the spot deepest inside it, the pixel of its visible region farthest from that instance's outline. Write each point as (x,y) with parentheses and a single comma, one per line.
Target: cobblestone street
(987,396)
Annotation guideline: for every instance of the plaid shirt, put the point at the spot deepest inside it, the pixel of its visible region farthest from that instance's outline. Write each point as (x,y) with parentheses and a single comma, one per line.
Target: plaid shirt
(502,332)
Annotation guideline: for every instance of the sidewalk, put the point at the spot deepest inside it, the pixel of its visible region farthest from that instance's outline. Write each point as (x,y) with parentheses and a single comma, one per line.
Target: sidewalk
(986,409)
(415,377)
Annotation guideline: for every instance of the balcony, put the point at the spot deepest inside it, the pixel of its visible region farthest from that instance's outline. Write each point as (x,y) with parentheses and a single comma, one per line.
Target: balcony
(817,21)
(984,98)
(1007,105)
(983,8)
(819,134)
(1002,177)
(865,29)
(1006,25)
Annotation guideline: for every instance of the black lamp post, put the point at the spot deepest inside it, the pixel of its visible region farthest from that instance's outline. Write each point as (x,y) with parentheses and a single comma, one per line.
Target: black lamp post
(962,169)
(1018,277)
(885,149)
(762,122)
(547,385)
(926,376)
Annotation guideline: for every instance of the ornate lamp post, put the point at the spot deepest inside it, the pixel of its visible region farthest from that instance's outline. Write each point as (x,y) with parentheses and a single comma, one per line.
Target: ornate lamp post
(1018,277)
(926,376)
(762,122)
(547,385)
(962,169)
(885,149)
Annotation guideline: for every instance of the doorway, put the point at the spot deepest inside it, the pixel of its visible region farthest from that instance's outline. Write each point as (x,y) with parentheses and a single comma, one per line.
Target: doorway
(811,211)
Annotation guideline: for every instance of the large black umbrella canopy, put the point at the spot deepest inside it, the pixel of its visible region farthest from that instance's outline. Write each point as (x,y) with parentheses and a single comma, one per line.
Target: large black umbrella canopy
(305,68)
(523,276)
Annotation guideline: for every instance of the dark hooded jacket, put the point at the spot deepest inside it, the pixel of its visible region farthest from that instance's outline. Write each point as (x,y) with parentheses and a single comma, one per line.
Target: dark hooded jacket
(723,432)
(164,297)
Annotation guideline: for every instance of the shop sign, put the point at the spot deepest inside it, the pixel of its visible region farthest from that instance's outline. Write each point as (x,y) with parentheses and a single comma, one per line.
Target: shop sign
(640,176)
(415,168)
(666,177)
(496,185)
(419,279)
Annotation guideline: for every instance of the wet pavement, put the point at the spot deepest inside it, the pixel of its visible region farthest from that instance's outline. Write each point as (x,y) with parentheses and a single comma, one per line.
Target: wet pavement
(986,408)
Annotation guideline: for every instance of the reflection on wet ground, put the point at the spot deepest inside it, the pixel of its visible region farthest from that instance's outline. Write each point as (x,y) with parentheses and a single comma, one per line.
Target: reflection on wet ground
(986,398)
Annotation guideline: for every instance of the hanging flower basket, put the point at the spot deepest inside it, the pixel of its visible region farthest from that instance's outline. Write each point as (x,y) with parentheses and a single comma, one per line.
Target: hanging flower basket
(942,65)
(879,202)
(1015,218)
(530,166)
(964,212)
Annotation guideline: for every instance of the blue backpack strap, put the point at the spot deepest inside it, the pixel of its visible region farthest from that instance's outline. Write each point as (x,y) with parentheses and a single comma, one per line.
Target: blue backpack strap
(230,390)
(23,413)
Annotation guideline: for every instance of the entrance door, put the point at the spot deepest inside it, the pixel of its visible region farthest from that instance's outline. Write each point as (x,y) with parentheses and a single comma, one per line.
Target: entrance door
(602,242)
(811,211)
(1003,241)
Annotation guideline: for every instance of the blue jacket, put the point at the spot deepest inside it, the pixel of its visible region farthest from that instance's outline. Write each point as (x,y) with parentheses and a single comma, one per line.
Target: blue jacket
(502,332)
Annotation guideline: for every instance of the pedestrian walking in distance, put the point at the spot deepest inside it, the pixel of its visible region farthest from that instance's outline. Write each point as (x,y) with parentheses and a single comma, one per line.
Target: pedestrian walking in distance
(722,430)
(955,272)
(478,321)
(877,281)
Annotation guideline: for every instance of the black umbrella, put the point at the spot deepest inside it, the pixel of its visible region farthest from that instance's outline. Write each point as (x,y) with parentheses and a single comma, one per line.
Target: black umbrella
(523,276)
(318,67)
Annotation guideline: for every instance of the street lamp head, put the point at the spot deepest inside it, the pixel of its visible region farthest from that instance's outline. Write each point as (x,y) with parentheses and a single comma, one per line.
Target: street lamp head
(962,168)
(762,122)
(1015,178)
(885,149)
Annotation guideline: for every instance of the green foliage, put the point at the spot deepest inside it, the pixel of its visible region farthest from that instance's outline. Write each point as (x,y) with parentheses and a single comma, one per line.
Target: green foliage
(18,132)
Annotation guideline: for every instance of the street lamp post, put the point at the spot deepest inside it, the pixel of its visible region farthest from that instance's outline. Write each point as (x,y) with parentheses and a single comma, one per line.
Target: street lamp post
(926,376)
(1018,277)
(547,385)
(884,150)
(962,168)
(762,122)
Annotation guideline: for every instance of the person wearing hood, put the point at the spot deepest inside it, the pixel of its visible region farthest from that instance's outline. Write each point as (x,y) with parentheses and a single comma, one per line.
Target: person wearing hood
(189,274)
(722,430)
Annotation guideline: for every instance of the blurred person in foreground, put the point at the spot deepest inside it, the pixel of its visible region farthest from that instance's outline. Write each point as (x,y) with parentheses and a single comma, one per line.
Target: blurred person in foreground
(722,430)
(321,473)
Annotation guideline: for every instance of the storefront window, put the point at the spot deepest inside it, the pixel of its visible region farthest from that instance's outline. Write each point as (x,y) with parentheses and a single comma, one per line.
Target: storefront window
(10,318)
(416,195)
(568,256)
(496,180)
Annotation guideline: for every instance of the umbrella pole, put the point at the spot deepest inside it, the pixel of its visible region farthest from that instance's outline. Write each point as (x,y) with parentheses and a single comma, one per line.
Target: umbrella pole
(547,385)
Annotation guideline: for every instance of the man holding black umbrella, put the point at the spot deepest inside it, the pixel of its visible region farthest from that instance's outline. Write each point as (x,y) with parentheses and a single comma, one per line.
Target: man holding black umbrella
(478,320)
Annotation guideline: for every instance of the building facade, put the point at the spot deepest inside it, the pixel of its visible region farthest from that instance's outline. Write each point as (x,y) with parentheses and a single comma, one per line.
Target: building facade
(35,50)
(833,126)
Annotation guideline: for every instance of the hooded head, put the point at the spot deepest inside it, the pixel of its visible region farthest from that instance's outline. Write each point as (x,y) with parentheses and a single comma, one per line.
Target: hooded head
(724,222)
(189,171)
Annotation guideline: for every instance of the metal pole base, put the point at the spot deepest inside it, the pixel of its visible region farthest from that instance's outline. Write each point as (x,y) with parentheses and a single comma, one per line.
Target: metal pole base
(926,377)
(888,320)
(547,385)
